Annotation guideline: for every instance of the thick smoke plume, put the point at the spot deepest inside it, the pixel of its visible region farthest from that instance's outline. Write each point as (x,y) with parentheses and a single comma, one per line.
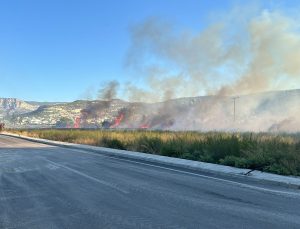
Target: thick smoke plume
(108,91)
(231,58)
(96,109)
(258,55)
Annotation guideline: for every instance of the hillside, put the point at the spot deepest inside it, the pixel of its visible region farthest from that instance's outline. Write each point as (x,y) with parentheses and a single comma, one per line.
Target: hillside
(12,106)
(270,111)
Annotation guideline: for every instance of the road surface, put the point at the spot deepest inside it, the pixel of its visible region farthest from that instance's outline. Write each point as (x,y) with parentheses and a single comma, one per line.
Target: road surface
(51,187)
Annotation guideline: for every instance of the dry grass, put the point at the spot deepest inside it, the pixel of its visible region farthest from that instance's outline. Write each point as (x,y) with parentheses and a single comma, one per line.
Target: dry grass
(276,153)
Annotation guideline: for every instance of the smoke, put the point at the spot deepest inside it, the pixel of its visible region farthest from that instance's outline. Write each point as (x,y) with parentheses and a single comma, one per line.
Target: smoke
(275,53)
(108,91)
(241,55)
(226,58)
(96,110)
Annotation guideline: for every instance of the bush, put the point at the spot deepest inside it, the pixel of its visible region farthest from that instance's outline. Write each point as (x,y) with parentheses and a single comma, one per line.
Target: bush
(112,143)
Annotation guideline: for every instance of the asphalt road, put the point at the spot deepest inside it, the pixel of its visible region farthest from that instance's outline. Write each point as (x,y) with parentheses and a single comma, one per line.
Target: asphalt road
(51,187)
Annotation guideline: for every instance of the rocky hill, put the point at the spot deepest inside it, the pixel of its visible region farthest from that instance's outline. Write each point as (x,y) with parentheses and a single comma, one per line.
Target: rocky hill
(12,106)
(270,111)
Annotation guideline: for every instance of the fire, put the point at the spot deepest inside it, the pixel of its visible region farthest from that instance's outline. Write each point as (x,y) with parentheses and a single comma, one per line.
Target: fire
(144,126)
(77,122)
(118,121)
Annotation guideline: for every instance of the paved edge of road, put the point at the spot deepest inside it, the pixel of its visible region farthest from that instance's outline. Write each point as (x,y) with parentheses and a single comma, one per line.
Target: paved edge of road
(286,181)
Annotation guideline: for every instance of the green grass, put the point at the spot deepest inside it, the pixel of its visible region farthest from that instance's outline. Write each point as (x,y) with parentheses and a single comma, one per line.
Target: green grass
(275,153)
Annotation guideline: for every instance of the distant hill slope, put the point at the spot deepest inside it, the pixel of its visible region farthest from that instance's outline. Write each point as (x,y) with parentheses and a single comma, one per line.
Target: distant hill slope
(269,111)
(43,103)
(12,106)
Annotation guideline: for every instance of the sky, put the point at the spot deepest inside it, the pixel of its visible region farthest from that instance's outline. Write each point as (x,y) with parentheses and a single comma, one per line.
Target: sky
(54,50)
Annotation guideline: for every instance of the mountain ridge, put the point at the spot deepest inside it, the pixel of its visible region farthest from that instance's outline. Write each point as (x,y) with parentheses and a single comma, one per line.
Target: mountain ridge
(268,111)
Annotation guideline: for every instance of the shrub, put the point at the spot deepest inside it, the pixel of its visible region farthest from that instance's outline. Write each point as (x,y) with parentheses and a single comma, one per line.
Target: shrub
(276,153)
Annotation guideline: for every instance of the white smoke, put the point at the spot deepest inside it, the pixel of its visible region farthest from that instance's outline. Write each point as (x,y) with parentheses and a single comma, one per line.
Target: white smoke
(217,60)
(238,55)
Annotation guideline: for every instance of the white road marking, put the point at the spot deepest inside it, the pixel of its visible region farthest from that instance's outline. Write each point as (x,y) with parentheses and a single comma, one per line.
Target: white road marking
(87,176)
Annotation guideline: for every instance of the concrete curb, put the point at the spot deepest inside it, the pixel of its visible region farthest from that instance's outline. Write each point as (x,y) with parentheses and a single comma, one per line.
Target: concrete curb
(287,181)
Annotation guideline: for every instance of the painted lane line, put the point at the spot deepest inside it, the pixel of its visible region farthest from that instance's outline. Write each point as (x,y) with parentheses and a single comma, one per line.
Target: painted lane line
(87,176)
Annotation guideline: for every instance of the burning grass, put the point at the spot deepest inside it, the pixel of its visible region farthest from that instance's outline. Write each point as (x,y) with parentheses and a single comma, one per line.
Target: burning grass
(275,153)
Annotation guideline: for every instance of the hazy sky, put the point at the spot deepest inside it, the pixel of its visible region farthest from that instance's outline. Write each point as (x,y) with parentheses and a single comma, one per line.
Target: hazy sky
(59,50)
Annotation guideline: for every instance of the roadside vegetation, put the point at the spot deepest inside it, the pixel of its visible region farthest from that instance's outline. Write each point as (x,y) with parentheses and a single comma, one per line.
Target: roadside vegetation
(275,153)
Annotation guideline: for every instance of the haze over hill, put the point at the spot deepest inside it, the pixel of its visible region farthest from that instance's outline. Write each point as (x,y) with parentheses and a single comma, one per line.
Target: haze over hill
(269,111)
(246,52)
(12,106)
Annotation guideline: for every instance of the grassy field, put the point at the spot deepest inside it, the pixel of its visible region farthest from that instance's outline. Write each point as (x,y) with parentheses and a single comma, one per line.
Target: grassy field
(275,153)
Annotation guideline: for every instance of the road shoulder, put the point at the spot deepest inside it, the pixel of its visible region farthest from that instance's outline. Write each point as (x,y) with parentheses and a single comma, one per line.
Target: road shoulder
(285,181)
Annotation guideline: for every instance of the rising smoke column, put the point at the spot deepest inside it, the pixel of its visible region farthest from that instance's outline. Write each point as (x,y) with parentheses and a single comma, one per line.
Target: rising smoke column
(242,54)
(108,91)
(95,109)
(237,56)
(260,54)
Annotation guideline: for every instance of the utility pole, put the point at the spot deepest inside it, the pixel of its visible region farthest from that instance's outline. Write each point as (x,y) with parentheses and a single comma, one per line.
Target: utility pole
(234,108)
